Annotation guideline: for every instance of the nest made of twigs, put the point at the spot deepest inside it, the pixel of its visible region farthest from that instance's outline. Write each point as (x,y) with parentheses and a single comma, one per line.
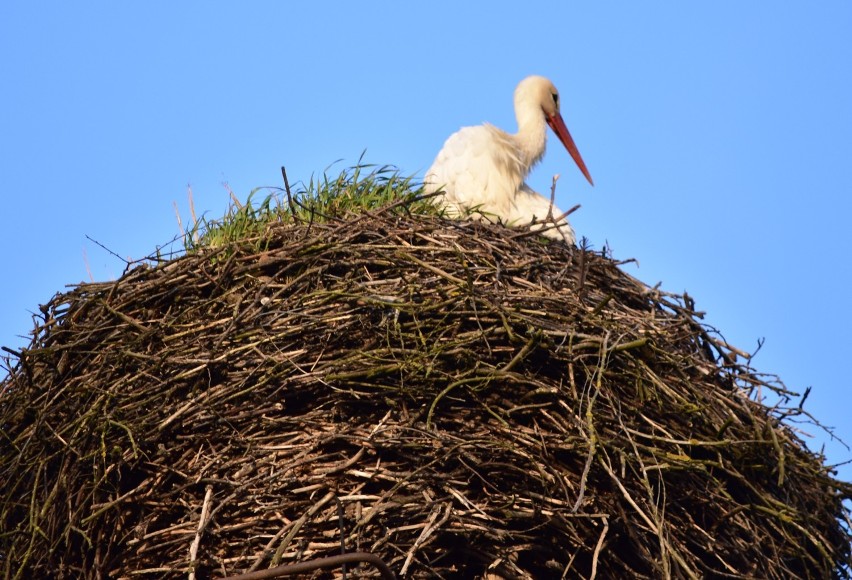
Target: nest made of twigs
(460,399)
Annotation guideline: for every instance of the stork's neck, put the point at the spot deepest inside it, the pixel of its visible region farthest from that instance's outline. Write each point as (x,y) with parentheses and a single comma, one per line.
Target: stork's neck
(532,133)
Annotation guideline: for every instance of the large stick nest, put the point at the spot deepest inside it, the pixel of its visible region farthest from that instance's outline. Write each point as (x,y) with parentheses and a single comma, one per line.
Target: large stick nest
(461,399)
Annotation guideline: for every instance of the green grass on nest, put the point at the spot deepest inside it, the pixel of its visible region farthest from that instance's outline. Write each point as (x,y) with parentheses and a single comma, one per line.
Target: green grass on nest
(362,187)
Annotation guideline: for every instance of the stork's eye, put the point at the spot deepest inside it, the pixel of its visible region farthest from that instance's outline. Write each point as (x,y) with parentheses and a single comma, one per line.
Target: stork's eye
(555,99)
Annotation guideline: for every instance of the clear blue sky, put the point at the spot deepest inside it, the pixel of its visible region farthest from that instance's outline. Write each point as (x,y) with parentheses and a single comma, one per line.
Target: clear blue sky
(718,135)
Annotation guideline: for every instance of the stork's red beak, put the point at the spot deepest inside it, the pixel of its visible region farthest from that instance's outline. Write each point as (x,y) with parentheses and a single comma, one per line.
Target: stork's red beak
(558,125)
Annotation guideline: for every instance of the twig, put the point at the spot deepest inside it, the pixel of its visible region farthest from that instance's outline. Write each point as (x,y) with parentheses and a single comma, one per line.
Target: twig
(320,563)
(202,523)
(596,554)
(427,531)
(289,195)
(103,247)
(552,198)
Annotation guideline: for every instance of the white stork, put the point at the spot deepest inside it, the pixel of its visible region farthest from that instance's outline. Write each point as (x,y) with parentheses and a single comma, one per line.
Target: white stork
(483,168)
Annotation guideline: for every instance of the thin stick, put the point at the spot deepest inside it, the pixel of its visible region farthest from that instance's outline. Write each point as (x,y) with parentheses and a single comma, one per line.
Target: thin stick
(103,247)
(552,197)
(598,547)
(289,195)
(202,523)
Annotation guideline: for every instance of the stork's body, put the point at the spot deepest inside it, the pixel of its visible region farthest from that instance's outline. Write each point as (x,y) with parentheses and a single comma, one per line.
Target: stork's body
(483,168)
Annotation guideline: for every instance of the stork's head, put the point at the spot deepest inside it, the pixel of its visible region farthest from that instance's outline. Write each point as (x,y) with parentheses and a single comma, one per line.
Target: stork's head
(538,92)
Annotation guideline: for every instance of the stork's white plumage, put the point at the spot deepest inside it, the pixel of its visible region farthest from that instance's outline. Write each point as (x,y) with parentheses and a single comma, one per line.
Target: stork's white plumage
(483,168)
